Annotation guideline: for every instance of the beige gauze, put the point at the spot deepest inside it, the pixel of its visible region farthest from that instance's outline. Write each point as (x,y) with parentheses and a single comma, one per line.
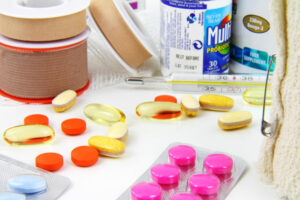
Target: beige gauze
(279,162)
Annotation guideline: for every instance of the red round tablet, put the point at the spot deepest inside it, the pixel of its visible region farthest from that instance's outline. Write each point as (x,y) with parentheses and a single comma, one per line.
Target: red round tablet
(36,119)
(167,98)
(84,156)
(73,126)
(49,161)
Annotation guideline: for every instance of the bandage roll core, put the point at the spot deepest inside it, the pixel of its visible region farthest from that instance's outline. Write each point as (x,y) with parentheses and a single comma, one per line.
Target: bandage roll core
(42,20)
(38,71)
(126,38)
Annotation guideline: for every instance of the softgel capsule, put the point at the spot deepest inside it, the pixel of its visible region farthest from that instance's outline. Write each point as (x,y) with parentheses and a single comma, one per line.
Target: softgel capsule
(185,172)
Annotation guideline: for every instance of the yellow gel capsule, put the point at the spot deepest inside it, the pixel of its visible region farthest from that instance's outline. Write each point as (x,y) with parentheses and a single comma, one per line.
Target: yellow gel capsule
(118,131)
(104,114)
(107,146)
(158,110)
(255,96)
(28,134)
(64,101)
(216,102)
(235,120)
(190,105)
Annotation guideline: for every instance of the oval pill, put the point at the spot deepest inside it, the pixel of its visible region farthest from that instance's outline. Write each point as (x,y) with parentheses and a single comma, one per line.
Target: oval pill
(218,164)
(146,191)
(73,126)
(64,101)
(190,105)
(49,161)
(216,102)
(235,120)
(158,110)
(28,134)
(204,184)
(118,131)
(165,174)
(185,196)
(167,98)
(12,196)
(36,119)
(27,184)
(107,146)
(104,114)
(255,96)
(84,156)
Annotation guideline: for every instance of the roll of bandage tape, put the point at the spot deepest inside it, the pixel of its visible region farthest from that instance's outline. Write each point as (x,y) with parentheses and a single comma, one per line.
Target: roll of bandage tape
(42,20)
(43,70)
(122,30)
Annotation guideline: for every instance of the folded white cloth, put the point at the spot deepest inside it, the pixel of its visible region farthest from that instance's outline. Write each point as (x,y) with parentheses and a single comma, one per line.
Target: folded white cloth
(280,158)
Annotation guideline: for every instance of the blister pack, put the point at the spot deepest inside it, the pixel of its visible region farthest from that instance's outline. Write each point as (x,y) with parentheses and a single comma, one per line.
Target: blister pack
(19,179)
(185,172)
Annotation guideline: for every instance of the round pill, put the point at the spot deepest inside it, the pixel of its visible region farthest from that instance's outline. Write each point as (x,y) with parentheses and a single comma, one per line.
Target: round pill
(49,161)
(36,119)
(218,164)
(27,184)
(146,191)
(204,184)
(73,126)
(168,98)
(185,196)
(84,156)
(165,174)
(12,196)
(182,155)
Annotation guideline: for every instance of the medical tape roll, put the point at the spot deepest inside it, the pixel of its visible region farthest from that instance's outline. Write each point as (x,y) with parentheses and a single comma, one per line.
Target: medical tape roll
(124,33)
(42,20)
(43,70)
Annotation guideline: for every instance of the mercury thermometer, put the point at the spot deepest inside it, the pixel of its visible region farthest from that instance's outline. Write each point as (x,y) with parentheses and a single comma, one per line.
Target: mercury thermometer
(192,82)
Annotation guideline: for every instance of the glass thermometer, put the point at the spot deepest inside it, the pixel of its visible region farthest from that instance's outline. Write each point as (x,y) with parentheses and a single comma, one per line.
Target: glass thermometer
(224,83)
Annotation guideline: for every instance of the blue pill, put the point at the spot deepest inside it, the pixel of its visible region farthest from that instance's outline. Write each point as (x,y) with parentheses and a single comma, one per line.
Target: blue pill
(27,184)
(12,196)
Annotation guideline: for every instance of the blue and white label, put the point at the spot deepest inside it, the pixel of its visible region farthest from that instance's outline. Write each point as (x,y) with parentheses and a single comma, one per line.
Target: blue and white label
(195,36)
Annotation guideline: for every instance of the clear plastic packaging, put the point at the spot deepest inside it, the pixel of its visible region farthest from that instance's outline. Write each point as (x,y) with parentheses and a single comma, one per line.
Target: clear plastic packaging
(11,169)
(212,173)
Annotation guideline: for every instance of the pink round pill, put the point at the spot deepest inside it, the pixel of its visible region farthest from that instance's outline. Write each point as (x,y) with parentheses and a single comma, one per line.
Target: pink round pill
(218,164)
(165,174)
(182,155)
(204,184)
(146,191)
(185,196)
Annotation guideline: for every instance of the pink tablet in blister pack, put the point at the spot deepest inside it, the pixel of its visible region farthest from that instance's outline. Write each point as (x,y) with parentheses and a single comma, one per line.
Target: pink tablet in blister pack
(185,172)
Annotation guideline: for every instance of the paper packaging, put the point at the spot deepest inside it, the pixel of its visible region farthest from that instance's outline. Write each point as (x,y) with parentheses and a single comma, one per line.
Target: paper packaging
(253,42)
(10,168)
(239,167)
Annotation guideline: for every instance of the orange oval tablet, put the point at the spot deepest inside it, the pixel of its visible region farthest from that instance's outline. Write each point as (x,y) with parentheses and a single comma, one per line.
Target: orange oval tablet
(84,156)
(49,161)
(74,126)
(36,119)
(168,98)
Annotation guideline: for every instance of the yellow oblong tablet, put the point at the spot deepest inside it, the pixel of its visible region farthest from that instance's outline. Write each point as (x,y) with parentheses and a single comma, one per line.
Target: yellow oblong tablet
(235,120)
(28,134)
(104,114)
(190,105)
(255,96)
(158,110)
(64,101)
(107,146)
(118,131)
(216,102)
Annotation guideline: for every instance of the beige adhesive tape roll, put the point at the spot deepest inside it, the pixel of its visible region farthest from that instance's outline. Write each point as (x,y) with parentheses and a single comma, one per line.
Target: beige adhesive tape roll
(43,70)
(42,20)
(120,30)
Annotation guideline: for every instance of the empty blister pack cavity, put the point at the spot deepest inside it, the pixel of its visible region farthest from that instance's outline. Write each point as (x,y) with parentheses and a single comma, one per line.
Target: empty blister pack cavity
(212,173)
(12,170)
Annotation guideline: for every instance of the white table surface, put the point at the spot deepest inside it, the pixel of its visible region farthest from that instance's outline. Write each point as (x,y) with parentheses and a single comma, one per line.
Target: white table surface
(147,139)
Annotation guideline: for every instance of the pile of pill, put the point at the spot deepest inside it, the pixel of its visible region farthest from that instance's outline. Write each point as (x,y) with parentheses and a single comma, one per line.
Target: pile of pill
(183,177)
